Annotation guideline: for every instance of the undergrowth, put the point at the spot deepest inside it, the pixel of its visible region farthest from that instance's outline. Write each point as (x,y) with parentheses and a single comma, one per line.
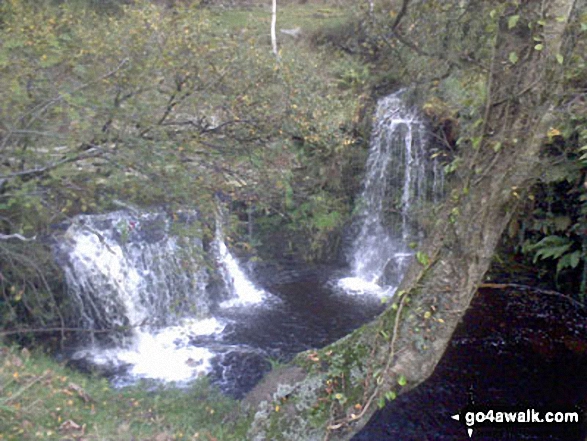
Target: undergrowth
(42,399)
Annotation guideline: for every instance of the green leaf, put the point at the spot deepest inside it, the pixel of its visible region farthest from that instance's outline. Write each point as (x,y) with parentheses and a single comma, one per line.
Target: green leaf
(390,396)
(478,122)
(560,59)
(513,57)
(539,47)
(497,146)
(422,258)
(551,247)
(327,221)
(476,141)
(570,260)
(402,380)
(451,167)
(513,21)
(561,223)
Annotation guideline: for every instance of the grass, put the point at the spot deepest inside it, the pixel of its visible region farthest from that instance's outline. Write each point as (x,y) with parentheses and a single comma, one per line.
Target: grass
(41,399)
(257,20)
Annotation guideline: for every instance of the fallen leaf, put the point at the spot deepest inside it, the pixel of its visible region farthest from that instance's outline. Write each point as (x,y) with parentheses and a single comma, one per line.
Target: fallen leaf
(71,426)
(81,392)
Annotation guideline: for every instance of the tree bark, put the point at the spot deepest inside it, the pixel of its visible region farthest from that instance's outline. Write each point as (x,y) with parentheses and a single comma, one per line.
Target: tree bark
(402,347)
(273,32)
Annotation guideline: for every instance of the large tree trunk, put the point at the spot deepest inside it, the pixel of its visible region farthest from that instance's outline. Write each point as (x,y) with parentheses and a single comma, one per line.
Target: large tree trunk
(392,356)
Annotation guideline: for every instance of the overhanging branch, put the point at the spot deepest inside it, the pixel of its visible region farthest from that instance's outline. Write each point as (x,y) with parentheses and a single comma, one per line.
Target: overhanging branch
(94,152)
(17,236)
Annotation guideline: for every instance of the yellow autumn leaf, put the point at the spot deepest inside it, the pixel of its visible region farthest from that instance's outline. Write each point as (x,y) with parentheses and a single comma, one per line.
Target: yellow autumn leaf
(552,132)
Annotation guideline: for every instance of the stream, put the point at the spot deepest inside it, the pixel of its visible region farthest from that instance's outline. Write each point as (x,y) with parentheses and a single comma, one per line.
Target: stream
(511,349)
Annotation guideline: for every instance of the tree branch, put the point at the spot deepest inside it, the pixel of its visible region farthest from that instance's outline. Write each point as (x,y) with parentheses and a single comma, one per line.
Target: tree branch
(17,236)
(400,15)
(92,153)
(38,110)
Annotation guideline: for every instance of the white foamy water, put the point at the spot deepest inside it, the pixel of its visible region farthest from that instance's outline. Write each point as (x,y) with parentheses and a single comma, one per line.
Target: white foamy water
(167,354)
(97,265)
(124,270)
(242,291)
(356,285)
(399,178)
(129,274)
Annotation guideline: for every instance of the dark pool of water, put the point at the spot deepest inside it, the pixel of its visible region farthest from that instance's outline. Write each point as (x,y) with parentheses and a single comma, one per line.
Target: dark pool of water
(515,347)
(308,314)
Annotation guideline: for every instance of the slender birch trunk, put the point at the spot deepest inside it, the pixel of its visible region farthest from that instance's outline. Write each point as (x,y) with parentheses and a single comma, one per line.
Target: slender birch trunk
(273,33)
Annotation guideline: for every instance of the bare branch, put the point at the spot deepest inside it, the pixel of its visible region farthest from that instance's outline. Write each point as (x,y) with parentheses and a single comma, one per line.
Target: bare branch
(17,236)
(63,329)
(92,153)
(37,111)
(400,14)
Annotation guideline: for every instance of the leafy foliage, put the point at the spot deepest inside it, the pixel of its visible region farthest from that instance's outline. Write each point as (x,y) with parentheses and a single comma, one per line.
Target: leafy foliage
(156,106)
(555,221)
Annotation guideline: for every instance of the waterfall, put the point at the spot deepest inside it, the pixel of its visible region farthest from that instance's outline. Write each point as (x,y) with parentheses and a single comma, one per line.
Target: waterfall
(241,289)
(133,275)
(400,178)
(126,270)
(130,272)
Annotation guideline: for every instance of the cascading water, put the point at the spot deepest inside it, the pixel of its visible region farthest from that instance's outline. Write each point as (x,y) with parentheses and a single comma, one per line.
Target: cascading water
(125,270)
(129,272)
(130,275)
(242,291)
(399,179)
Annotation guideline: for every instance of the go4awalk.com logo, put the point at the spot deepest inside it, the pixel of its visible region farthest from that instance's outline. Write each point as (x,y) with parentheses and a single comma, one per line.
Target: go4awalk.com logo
(509,418)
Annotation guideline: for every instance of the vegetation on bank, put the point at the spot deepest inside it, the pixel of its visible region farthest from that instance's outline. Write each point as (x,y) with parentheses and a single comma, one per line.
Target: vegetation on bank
(507,74)
(41,399)
(447,51)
